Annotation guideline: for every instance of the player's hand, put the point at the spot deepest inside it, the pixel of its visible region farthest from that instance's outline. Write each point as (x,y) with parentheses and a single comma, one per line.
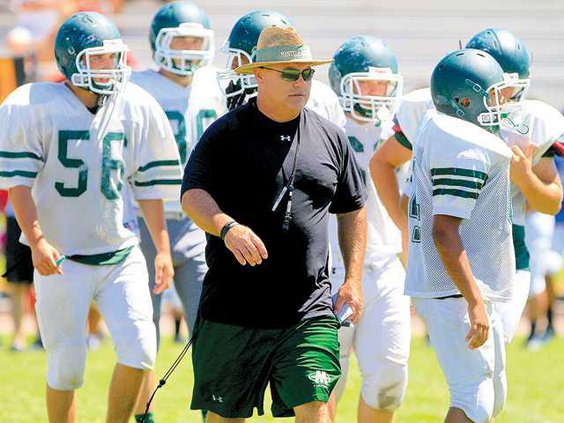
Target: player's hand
(479,326)
(164,272)
(521,163)
(350,294)
(245,245)
(44,257)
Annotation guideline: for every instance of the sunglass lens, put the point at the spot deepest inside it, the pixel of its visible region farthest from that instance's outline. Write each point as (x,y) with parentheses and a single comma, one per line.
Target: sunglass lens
(307,74)
(290,75)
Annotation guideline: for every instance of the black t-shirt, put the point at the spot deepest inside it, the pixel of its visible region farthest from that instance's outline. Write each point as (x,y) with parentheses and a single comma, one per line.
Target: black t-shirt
(244,161)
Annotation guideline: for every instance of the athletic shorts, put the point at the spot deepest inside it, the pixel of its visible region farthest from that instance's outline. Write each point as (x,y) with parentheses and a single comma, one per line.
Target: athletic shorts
(19,265)
(233,366)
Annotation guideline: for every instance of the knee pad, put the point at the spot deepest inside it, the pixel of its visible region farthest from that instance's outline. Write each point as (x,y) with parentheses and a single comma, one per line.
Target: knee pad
(385,390)
(139,352)
(65,366)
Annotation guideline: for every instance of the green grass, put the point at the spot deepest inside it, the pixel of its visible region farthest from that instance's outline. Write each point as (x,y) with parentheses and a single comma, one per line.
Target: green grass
(536,384)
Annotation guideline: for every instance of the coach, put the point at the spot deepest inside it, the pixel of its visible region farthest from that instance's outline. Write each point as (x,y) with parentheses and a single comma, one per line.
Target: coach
(261,182)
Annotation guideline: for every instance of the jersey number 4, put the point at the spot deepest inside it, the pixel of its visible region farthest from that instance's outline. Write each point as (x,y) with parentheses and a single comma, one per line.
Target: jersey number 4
(109,186)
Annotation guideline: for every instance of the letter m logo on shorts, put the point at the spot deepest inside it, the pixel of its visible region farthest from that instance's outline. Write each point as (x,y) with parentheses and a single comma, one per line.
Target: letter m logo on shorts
(319,378)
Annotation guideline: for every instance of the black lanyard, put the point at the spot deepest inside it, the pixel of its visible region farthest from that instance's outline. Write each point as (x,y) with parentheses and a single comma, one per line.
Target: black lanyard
(289,187)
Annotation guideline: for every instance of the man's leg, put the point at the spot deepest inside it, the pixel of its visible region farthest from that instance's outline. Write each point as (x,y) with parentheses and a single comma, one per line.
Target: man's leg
(124,391)
(61,406)
(62,309)
(18,293)
(382,343)
(313,412)
(214,418)
(124,301)
(469,373)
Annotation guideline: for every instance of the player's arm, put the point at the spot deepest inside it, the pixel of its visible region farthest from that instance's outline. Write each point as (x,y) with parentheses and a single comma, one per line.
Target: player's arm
(245,245)
(447,239)
(540,184)
(153,214)
(352,242)
(383,164)
(44,255)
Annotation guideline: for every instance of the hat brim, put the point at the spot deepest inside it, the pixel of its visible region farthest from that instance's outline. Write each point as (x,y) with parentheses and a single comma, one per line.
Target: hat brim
(249,67)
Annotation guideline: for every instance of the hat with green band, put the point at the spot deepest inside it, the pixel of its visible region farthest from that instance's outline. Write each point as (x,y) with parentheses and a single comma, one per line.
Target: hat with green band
(280,46)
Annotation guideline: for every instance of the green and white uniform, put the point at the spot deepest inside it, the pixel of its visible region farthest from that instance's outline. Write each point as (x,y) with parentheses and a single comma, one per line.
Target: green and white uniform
(76,163)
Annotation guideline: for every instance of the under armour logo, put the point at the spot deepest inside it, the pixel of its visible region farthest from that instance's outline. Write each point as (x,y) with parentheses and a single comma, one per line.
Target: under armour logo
(217,399)
(285,138)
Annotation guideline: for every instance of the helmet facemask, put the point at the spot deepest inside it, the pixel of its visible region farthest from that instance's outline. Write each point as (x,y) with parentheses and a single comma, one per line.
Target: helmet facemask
(503,101)
(183,62)
(238,88)
(104,81)
(371,108)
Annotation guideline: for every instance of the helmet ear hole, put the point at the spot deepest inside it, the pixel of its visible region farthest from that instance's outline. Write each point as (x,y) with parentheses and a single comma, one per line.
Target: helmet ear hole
(465,102)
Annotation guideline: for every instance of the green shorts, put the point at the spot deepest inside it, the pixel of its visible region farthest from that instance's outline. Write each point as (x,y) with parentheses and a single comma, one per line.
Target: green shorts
(233,365)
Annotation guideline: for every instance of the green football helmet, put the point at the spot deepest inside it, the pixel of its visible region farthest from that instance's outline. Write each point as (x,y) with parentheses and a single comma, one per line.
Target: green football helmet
(509,51)
(361,59)
(81,38)
(181,19)
(240,48)
(468,84)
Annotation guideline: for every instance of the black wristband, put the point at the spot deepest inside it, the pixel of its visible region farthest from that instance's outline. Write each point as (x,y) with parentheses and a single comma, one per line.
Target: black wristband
(225,229)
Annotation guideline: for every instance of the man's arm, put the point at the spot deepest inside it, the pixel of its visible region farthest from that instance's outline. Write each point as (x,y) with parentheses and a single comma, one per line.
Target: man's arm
(352,241)
(454,258)
(245,245)
(153,214)
(383,164)
(540,184)
(44,255)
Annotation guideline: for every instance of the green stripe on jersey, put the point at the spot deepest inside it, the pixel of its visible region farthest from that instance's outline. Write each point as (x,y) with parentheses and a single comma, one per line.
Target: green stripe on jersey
(455,192)
(24,173)
(402,139)
(158,182)
(458,183)
(19,155)
(158,163)
(457,171)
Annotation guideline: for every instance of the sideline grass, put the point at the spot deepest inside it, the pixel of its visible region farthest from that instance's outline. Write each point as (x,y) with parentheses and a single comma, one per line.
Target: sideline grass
(536,383)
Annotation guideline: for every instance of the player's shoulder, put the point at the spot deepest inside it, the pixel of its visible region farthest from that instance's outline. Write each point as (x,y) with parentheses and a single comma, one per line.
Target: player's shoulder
(541,110)
(322,89)
(419,96)
(456,135)
(137,102)
(145,76)
(35,94)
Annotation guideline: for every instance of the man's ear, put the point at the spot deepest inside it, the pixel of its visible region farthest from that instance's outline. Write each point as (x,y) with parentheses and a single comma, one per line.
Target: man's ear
(259,75)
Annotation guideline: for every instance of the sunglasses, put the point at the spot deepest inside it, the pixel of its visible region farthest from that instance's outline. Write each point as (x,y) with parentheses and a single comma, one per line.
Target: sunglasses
(292,75)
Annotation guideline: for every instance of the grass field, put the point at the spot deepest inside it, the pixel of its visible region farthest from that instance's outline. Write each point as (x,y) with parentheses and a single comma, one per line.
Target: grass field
(536,386)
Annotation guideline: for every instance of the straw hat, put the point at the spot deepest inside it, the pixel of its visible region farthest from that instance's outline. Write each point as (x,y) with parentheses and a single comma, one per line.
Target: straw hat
(280,45)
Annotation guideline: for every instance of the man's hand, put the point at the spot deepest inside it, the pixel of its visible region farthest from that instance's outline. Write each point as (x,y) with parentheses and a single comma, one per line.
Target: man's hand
(351,295)
(479,326)
(45,257)
(521,163)
(245,245)
(164,272)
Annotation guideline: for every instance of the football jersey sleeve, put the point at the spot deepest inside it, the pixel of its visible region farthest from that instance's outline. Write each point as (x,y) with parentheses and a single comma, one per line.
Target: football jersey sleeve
(548,129)
(410,114)
(157,172)
(21,149)
(457,181)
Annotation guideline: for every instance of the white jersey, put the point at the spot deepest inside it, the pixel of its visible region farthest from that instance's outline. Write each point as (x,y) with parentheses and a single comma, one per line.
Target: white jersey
(76,162)
(544,123)
(190,110)
(324,102)
(460,170)
(545,126)
(383,237)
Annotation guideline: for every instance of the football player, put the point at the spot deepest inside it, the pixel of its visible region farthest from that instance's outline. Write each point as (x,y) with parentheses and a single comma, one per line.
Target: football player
(533,174)
(461,259)
(240,48)
(366,79)
(65,152)
(185,85)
